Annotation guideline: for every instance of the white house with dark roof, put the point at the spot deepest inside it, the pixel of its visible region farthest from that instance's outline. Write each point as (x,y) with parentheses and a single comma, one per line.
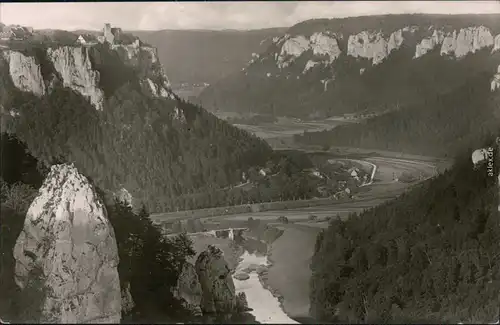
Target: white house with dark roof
(81,40)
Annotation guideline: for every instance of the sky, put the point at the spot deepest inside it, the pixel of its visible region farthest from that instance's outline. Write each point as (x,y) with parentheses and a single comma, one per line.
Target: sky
(216,15)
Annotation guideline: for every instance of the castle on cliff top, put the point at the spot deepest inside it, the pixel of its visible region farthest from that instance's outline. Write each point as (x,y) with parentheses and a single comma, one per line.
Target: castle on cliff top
(110,34)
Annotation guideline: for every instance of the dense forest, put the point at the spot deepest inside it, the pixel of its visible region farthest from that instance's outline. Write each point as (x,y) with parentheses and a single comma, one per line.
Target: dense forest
(439,126)
(429,256)
(149,262)
(338,88)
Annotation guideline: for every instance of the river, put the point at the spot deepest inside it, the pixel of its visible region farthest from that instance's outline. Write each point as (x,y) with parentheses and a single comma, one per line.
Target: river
(266,307)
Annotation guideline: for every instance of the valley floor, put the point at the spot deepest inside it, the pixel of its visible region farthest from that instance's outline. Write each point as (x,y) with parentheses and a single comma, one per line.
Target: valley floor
(291,253)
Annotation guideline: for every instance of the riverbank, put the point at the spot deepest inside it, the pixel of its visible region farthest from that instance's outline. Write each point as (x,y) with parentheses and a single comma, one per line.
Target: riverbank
(266,307)
(288,274)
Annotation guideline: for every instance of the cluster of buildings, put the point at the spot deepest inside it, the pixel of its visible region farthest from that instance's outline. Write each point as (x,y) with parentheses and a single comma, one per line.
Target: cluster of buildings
(15,32)
(109,35)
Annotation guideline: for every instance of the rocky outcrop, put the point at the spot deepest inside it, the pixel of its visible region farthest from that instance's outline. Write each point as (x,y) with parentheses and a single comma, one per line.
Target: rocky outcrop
(479,156)
(429,43)
(321,45)
(67,235)
(74,66)
(309,65)
(373,45)
(25,72)
(495,82)
(157,90)
(144,59)
(127,301)
(482,155)
(219,296)
(179,115)
(124,197)
(467,40)
(327,45)
(74,69)
(496,45)
(292,48)
(189,288)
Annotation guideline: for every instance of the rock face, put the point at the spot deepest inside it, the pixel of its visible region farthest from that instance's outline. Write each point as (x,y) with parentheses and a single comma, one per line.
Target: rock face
(373,45)
(479,156)
(309,65)
(25,72)
(124,197)
(495,83)
(467,40)
(429,43)
(217,285)
(157,90)
(74,66)
(321,45)
(144,59)
(496,46)
(189,288)
(68,236)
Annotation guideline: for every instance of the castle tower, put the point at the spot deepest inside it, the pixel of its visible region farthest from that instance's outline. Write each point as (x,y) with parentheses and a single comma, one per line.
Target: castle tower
(108,35)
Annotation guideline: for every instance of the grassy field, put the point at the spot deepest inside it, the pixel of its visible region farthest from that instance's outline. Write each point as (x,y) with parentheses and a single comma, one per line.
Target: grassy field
(287,127)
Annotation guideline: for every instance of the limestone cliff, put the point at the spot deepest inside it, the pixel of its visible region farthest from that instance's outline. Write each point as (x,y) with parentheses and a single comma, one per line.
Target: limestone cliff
(429,43)
(495,82)
(324,45)
(68,236)
(145,60)
(124,196)
(75,69)
(373,45)
(25,72)
(329,67)
(496,46)
(217,285)
(467,40)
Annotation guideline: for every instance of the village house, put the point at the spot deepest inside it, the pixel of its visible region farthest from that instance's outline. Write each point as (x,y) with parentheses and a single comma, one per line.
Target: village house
(81,40)
(86,40)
